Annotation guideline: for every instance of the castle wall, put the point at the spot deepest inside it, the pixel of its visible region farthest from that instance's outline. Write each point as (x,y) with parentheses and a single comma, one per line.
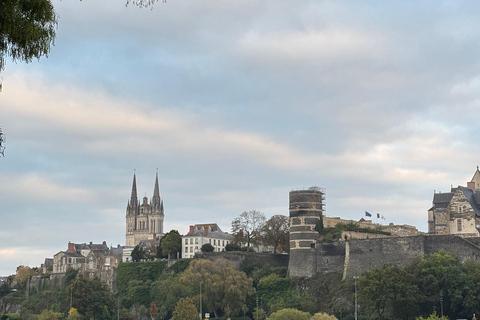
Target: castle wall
(356,256)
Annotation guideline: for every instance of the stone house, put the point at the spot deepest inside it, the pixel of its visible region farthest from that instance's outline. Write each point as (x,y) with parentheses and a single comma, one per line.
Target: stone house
(458,211)
(201,234)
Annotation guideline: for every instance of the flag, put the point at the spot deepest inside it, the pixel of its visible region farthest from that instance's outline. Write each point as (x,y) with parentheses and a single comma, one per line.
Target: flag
(368,214)
(378,215)
(383,217)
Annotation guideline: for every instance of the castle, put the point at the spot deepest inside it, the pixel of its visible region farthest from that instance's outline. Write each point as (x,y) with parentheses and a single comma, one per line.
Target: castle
(144,221)
(458,211)
(454,224)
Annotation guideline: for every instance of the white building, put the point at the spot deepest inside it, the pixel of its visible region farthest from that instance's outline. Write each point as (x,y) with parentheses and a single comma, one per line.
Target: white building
(201,234)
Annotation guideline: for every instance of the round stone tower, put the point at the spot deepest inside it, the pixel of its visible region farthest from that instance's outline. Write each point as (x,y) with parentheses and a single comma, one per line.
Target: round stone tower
(306,209)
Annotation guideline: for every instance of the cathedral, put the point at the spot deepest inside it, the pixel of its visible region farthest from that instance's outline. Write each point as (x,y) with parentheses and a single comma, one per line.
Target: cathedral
(144,221)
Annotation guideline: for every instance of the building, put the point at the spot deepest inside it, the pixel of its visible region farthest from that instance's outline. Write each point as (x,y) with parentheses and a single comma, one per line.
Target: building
(144,221)
(201,234)
(457,212)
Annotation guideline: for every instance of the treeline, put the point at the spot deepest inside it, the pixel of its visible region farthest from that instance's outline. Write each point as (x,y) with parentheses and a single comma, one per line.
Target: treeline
(437,283)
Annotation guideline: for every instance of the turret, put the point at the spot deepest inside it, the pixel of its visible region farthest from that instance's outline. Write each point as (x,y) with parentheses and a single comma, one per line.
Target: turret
(306,210)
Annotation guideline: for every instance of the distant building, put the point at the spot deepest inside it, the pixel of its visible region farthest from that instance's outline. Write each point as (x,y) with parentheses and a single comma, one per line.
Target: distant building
(201,234)
(458,211)
(144,221)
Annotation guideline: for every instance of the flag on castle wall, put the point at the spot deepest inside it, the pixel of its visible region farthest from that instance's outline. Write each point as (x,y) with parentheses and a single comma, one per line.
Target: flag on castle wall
(383,217)
(368,214)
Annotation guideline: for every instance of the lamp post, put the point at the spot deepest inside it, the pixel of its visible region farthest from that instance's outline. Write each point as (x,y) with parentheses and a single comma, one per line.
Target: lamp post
(201,311)
(356,304)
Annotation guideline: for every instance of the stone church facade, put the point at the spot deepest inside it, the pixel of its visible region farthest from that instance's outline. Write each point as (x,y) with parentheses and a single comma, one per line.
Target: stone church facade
(144,221)
(457,212)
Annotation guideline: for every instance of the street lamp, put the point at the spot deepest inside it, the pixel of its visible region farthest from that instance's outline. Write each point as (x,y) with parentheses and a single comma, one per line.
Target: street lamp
(201,311)
(356,304)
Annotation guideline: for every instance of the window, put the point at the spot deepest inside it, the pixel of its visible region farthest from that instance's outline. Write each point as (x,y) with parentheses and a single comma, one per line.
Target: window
(186,249)
(460,209)
(191,249)
(210,241)
(196,248)
(214,242)
(459,224)
(107,261)
(69,260)
(186,241)
(223,243)
(196,240)
(191,241)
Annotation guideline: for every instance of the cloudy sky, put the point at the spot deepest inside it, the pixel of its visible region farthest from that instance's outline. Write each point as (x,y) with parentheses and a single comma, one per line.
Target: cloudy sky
(236,103)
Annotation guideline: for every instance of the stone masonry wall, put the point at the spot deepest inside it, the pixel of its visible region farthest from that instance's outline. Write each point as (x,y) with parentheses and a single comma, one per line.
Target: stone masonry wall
(355,256)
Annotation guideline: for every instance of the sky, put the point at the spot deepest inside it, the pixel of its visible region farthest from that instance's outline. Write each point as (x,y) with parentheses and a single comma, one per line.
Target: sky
(235,103)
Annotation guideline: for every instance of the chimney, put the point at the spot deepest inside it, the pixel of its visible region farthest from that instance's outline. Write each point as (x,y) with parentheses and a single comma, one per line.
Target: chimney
(104,243)
(206,230)
(471,185)
(191,229)
(118,245)
(71,247)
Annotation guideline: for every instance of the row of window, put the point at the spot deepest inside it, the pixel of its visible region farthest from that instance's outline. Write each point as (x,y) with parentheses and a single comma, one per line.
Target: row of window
(215,241)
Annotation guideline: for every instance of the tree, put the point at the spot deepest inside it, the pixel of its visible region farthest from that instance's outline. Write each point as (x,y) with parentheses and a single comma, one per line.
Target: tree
(74,315)
(90,297)
(137,254)
(171,243)
(323,316)
(276,233)
(27,29)
(207,247)
(225,288)
(289,314)
(185,310)
(49,315)
(153,310)
(249,224)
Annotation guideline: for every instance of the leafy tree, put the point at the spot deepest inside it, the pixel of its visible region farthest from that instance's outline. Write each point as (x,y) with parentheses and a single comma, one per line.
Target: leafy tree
(49,315)
(185,310)
(23,273)
(153,310)
(275,232)
(27,29)
(171,243)
(225,288)
(74,315)
(289,314)
(249,225)
(323,316)
(167,291)
(207,247)
(90,297)
(232,247)
(137,253)
(433,316)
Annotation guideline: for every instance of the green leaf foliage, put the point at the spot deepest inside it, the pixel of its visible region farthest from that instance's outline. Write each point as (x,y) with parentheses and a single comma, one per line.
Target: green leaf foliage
(27,29)
(142,271)
(289,314)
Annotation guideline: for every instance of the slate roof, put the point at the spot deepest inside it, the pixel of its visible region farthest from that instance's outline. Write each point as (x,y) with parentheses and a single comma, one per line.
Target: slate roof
(441,200)
(214,231)
(472,198)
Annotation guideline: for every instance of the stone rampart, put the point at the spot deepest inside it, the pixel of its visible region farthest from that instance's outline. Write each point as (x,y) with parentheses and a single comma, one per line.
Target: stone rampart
(355,256)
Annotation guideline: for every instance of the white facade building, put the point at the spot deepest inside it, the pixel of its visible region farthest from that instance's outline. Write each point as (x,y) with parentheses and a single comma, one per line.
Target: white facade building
(201,234)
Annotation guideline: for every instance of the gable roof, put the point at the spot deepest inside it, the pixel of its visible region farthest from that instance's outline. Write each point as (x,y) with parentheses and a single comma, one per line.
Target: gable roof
(473,199)
(441,200)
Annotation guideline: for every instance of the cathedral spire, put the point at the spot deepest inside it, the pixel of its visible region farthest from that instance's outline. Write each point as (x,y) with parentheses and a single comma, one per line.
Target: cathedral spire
(133,199)
(156,193)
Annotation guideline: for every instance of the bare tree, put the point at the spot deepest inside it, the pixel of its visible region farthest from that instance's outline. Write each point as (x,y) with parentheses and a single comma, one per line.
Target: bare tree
(249,224)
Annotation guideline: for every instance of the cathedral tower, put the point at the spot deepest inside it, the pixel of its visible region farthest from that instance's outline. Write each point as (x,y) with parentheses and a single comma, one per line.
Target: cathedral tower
(144,221)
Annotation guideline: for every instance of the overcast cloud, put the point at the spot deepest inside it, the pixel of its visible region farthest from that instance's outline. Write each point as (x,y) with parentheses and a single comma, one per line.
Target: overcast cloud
(236,103)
